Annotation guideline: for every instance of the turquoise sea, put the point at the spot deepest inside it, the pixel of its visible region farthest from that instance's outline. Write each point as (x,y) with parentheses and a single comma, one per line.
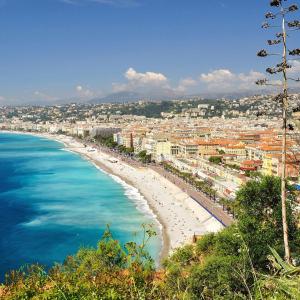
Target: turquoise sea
(53,201)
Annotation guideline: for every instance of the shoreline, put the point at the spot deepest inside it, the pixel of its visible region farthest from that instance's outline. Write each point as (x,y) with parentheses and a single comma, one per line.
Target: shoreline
(165,239)
(179,216)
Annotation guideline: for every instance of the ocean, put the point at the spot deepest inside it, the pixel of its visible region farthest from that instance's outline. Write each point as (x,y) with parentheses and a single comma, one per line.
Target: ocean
(53,201)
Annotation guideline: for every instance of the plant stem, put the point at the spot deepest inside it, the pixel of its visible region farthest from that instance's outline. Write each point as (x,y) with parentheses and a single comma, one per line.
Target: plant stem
(283,171)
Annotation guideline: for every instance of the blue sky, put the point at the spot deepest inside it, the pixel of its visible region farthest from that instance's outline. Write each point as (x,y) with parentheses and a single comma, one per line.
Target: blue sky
(55,49)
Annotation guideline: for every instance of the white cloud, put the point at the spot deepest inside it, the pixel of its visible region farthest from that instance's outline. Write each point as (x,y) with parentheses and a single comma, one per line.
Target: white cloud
(84,92)
(295,67)
(184,84)
(217,76)
(226,80)
(79,88)
(221,80)
(147,80)
(2,98)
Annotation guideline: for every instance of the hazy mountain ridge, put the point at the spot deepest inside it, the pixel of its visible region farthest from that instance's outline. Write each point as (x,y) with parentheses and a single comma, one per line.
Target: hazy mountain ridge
(123,97)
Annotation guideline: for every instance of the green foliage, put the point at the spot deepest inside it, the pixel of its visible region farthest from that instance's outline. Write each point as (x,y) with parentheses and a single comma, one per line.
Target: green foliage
(214,279)
(215,159)
(183,256)
(155,108)
(206,244)
(200,185)
(142,154)
(260,219)
(229,204)
(231,264)
(106,141)
(233,167)
(216,267)
(284,283)
(253,174)
(144,157)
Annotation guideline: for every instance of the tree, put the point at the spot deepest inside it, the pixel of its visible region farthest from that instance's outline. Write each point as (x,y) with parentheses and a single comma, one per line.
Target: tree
(144,157)
(142,154)
(259,218)
(107,141)
(282,69)
(215,159)
(221,152)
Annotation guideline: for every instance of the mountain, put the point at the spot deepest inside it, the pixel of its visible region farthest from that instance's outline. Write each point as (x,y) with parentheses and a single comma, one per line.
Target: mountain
(123,97)
(119,97)
(135,96)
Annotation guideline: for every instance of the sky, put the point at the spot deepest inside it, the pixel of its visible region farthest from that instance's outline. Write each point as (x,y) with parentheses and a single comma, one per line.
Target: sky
(59,49)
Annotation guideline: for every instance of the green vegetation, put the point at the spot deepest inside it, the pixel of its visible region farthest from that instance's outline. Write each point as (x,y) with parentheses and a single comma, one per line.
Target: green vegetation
(149,109)
(144,157)
(110,143)
(260,220)
(215,159)
(125,150)
(284,284)
(153,109)
(233,166)
(106,141)
(221,151)
(200,185)
(228,205)
(253,174)
(242,261)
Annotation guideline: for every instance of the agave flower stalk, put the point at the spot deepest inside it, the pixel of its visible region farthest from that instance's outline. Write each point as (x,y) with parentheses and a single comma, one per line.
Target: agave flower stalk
(282,68)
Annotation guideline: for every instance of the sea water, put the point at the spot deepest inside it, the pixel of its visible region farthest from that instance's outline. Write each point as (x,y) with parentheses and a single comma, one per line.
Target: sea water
(52,202)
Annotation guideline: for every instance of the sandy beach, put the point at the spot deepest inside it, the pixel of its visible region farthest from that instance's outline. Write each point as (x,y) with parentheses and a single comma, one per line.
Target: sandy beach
(179,215)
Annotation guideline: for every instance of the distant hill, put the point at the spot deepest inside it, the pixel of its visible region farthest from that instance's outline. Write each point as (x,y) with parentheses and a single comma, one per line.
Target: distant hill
(123,97)
(119,98)
(135,96)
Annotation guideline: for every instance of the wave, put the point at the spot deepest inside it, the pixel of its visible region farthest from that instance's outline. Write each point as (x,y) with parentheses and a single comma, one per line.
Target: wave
(68,150)
(37,221)
(136,197)
(141,204)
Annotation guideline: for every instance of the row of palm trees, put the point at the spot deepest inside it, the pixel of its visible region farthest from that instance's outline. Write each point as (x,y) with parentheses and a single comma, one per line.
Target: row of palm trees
(203,186)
